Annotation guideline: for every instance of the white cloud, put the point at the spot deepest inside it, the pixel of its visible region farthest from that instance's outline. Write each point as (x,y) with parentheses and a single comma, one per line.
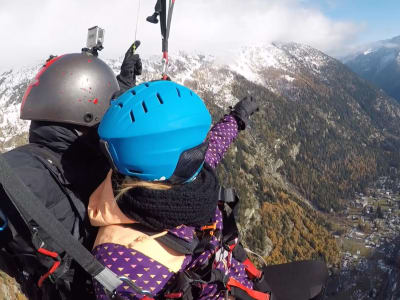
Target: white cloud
(31,30)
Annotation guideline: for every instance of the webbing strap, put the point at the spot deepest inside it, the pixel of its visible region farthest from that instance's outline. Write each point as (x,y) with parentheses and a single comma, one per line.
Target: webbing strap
(252,293)
(165,22)
(165,25)
(251,269)
(26,202)
(169,240)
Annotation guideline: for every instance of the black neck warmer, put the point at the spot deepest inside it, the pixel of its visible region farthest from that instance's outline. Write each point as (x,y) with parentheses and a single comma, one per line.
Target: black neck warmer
(191,204)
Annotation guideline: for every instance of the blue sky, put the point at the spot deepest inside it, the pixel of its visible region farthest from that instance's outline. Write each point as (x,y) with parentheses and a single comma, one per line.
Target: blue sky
(380,18)
(34,29)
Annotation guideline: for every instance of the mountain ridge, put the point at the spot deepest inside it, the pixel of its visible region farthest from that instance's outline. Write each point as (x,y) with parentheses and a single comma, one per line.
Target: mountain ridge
(379,63)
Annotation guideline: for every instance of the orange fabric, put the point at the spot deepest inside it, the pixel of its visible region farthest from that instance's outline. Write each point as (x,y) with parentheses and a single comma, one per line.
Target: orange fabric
(114,228)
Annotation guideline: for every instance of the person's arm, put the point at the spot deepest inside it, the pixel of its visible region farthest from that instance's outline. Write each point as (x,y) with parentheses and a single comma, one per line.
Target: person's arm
(222,134)
(130,68)
(220,137)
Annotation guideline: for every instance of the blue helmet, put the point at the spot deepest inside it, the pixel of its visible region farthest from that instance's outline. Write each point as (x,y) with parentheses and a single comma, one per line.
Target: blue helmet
(156,131)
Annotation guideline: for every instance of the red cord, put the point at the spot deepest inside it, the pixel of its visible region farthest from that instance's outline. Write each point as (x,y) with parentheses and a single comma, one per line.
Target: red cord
(53,267)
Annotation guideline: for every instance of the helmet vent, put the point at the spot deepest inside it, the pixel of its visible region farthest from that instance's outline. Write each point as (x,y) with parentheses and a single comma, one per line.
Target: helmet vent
(120,105)
(160,99)
(191,94)
(179,92)
(144,107)
(146,84)
(135,171)
(133,92)
(132,116)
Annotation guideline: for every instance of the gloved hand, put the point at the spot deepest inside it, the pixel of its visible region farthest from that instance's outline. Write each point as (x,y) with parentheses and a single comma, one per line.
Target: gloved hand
(131,66)
(243,110)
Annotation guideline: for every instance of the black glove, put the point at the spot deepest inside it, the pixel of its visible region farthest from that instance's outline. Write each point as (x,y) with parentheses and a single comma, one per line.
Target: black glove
(131,66)
(243,110)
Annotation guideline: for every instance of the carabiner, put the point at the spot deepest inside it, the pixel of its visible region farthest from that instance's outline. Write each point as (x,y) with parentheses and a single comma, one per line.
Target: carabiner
(165,65)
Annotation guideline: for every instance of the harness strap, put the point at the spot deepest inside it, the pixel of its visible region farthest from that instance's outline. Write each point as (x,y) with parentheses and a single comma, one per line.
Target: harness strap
(251,269)
(169,239)
(233,283)
(165,25)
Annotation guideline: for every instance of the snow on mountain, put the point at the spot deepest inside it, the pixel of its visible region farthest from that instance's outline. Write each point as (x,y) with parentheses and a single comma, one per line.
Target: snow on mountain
(12,86)
(369,48)
(288,59)
(368,51)
(275,66)
(252,60)
(379,63)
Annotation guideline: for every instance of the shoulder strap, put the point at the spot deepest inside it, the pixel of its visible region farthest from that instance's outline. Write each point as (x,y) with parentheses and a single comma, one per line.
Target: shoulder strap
(178,244)
(228,203)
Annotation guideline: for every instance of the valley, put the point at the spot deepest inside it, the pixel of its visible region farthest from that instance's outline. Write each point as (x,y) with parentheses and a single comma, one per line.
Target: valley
(367,232)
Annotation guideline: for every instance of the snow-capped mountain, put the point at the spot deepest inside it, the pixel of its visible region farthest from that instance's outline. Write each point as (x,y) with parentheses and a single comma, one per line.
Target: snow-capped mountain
(283,62)
(13,84)
(380,64)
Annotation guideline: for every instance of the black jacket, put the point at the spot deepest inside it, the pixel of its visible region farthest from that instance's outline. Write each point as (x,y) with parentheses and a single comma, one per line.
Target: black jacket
(62,169)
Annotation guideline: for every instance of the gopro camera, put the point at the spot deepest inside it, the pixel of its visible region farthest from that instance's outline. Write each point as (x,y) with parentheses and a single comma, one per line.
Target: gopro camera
(95,38)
